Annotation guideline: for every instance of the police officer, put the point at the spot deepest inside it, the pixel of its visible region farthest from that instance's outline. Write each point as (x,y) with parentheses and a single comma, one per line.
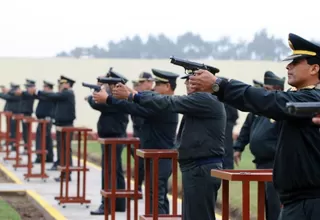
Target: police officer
(296,173)
(262,135)
(64,115)
(232,117)
(111,124)
(158,129)
(12,105)
(45,110)
(27,109)
(200,144)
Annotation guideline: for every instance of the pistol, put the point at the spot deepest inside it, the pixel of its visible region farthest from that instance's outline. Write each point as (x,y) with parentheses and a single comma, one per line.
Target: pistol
(110,80)
(190,66)
(96,88)
(303,108)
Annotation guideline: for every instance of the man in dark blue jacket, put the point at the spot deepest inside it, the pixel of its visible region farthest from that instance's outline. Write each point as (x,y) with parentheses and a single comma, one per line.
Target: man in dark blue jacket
(262,134)
(65,114)
(45,110)
(296,172)
(158,130)
(111,124)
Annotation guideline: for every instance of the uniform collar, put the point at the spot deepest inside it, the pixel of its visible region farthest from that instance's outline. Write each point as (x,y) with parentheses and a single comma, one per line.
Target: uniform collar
(317,86)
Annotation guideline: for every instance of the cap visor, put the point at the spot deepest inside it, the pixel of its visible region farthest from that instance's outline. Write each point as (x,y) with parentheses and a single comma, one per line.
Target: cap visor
(185,77)
(293,56)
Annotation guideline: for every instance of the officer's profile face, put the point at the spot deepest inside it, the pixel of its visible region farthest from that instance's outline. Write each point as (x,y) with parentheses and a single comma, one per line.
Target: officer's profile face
(301,74)
(136,87)
(162,88)
(188,86)
(145,85)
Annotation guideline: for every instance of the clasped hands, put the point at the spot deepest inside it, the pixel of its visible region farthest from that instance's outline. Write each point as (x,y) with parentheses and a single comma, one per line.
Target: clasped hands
(119,91)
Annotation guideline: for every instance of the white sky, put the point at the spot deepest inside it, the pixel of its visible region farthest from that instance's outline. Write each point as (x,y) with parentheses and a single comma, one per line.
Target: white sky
(38,28)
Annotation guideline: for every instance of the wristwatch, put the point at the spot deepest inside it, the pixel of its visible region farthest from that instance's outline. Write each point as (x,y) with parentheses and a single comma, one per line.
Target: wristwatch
(216,85)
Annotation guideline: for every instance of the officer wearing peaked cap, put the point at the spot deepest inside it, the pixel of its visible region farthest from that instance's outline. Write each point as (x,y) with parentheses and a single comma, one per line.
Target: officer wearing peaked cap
(272,81)
(27,102)
(296,167)
(204,120)
(65,102)
(45,110)
(111,124)
(261,133)
(12,105)
(158,129)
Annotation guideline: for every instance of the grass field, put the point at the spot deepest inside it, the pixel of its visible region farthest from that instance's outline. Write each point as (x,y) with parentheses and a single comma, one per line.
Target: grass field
(7,212)
(235,187)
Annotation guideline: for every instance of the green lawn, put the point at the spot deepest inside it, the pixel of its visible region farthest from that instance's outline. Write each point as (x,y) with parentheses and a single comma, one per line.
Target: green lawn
(235,187)
(7,212)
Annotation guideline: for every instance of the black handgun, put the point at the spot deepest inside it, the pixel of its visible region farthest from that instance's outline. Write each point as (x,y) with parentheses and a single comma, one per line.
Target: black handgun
(110,80)
(303,108)
(190,66)
(96,88)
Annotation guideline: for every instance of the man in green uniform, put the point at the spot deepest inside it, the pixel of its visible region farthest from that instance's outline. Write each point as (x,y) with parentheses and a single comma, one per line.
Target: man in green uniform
(296,173)
(262,135)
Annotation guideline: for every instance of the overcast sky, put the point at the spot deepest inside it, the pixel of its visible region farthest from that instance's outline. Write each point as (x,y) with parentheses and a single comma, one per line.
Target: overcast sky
(40,28)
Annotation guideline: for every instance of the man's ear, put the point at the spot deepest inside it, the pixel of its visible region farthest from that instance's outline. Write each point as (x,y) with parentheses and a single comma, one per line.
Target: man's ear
(315,69)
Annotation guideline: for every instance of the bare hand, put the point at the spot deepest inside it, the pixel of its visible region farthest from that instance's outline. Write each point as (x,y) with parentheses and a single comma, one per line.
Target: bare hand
(237,157)
(202,80)
(100,97)
(121,91)
(316,120)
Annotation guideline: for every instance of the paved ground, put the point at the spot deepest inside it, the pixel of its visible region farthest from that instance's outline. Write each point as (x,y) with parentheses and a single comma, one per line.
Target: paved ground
(49,189)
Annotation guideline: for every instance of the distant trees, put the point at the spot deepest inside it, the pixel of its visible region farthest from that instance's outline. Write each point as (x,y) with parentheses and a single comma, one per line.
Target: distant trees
(189,46)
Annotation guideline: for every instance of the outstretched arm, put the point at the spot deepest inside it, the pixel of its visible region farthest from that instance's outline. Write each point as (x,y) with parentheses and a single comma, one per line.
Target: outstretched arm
(195,103)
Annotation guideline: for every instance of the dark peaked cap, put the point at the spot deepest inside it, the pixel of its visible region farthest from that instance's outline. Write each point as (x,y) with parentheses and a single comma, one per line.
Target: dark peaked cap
(29,81)
(64,79)
(271,79)
(301,48)
(49,84)
(145,76)
(256,83)
(113,74)
(164,76)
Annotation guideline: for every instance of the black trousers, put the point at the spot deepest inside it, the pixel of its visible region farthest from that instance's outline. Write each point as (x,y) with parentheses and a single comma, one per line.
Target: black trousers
(200,191)
(120,181)
(228,162)
(308,209)
(272,200)
(49,143)
(140,161)
(13,131)
(25,131)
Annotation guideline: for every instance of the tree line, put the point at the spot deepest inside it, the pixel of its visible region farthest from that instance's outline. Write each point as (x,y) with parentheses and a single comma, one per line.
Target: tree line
(189,46)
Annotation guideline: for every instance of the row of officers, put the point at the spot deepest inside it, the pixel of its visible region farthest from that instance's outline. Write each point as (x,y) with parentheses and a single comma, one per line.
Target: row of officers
(154,132)
(287,143)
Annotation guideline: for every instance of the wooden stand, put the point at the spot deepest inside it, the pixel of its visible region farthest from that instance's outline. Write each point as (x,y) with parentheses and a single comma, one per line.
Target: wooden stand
(114,193)
(2,133)
(42,151)
(17,164)
(65,167)
(153,156)
(8,140)
(245,176)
